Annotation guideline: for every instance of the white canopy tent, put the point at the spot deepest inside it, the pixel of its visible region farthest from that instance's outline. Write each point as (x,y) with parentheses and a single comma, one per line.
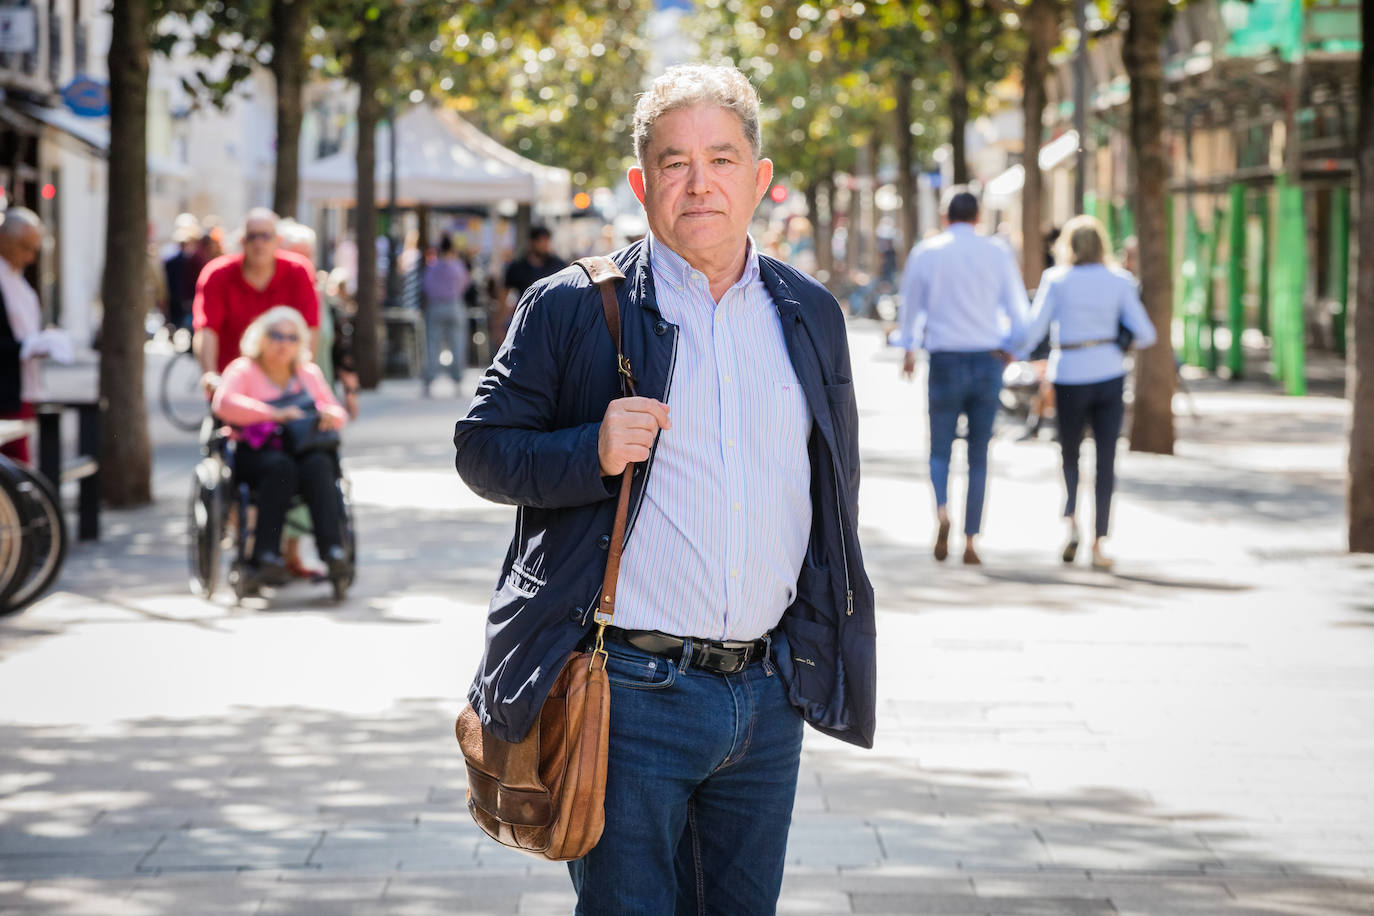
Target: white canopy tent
(442,161)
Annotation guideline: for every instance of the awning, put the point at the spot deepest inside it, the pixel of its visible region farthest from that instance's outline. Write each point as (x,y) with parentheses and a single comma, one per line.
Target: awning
(90,131)
(442,160)
(1000,190)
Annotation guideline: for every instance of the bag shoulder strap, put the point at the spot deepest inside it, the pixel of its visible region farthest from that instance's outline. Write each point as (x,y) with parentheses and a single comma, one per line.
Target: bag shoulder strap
(603,272)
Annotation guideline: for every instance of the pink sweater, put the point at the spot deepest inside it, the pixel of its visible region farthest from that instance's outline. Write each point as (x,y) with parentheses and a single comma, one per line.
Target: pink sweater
(244,390)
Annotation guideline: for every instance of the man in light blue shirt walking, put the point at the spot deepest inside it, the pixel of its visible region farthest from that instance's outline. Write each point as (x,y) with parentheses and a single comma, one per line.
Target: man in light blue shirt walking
(963,302)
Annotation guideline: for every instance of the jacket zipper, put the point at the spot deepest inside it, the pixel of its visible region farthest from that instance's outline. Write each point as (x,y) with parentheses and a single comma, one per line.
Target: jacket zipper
(844,551)
(648,469)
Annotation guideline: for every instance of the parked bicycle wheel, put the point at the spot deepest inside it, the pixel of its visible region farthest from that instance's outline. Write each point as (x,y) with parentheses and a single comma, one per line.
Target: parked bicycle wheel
(46,531)
(180,395)
(15,549)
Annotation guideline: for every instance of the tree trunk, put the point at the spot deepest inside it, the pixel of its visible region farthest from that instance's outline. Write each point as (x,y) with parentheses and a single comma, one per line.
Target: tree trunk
(1152,428)
(367,332)
(1361,332)
(906,159)
(958,119)
(125,454)
(1042,31)
(290,21)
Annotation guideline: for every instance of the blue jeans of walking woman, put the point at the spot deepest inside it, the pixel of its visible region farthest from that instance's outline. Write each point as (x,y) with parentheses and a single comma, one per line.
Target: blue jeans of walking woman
(446,326)
(699,791)
(967,384)
(1101,404)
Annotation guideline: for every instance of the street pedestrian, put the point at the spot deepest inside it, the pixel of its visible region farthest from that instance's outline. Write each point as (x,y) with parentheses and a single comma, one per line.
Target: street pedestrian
(180,271)
(1083,305)
(535,264)
(743,605)
(446,320)
(964,303)
(23,341)
(234,289)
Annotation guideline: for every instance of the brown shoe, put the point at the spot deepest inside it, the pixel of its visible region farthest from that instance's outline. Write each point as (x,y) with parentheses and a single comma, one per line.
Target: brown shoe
(971,557)
(942,542)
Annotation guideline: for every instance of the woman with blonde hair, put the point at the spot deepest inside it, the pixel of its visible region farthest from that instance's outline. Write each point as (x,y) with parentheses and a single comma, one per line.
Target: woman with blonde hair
(1084,304)
(272,383)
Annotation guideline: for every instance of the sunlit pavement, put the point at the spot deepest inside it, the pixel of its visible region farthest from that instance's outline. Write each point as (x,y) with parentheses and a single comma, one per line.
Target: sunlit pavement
(1194,734)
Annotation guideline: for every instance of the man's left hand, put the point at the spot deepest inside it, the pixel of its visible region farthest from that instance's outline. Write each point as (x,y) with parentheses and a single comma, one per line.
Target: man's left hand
(909,365)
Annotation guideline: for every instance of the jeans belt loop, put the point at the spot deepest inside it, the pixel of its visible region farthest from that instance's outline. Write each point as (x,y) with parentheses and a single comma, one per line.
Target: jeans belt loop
(685,661)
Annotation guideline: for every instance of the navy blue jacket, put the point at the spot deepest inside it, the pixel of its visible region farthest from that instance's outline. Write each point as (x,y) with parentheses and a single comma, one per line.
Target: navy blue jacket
(530,440)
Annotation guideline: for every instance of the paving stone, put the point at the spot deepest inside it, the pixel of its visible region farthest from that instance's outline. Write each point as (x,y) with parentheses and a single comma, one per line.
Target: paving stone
(218,849)
(958,905)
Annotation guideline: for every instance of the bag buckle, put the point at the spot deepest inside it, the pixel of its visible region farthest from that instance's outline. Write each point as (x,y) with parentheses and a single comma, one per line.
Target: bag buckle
(599,648)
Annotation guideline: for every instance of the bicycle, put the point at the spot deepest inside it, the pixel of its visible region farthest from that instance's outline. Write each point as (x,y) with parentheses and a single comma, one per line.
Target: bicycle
(180,394)
(33,536)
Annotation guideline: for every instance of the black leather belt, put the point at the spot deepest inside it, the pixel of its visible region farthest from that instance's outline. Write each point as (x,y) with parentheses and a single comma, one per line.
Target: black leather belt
(721,657)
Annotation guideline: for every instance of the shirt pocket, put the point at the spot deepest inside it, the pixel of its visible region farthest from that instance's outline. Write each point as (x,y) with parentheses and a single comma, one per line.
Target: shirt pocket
(787,424)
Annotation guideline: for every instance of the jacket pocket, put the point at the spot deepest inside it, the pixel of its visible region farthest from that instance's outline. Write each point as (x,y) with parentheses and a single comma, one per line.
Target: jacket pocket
(807,644)
(845,420)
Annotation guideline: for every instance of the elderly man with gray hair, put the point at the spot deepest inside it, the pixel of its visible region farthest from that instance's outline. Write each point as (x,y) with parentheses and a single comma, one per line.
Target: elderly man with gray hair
(23,341)
(743,607)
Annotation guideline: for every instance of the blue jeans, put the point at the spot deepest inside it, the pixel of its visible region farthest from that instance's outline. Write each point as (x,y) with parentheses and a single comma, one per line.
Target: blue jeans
(1103,405)
(968,384)
(446,327)
(699,791)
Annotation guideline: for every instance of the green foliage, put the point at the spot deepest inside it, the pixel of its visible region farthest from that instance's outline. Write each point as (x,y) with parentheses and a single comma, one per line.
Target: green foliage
(552,79)
(817,109)
(228,36)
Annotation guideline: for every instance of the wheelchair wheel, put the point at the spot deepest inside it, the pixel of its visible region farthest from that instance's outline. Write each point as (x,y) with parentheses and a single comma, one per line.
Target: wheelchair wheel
(241,582)
(349,540)
(16,549)
(46,531)
(205,524)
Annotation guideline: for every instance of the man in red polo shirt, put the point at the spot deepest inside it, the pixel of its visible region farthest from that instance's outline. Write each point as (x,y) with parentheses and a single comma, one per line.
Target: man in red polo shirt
(233,289)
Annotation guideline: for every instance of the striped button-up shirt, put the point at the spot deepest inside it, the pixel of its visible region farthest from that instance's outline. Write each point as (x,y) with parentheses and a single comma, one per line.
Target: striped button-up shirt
(726,517)
(962,292)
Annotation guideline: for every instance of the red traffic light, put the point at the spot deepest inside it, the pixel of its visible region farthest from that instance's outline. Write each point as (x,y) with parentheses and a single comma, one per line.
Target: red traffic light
(777,194)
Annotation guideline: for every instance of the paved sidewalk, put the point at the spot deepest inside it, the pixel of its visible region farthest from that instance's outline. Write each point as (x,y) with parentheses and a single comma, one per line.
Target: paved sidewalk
(1194,734)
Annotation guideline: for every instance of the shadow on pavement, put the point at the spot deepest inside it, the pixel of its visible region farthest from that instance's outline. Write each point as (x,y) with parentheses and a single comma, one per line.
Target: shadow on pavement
(277,806)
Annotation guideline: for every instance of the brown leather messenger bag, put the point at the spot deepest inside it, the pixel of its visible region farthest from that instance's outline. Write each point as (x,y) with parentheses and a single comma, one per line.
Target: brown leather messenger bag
(546,795)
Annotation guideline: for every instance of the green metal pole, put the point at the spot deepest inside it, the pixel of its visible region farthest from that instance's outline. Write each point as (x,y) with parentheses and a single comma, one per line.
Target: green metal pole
(1208,319)
(1235,276)
(1265,266)
(1291,287)
(1339,265)
(1192,242)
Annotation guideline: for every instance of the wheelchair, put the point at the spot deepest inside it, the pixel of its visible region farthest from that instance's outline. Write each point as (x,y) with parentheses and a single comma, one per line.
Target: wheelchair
(221,519)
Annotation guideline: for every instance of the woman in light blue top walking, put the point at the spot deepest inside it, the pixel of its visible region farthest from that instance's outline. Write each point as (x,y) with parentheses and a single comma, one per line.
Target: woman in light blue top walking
(1084,305)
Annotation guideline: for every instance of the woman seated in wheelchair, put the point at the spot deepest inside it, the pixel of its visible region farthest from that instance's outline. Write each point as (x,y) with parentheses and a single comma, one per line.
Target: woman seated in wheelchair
(285,420)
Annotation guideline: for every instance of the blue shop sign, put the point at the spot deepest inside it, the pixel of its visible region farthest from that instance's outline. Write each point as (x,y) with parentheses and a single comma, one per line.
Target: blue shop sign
(87,97)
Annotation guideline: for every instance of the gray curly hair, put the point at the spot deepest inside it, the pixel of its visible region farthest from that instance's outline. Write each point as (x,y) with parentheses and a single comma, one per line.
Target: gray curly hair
(697,84)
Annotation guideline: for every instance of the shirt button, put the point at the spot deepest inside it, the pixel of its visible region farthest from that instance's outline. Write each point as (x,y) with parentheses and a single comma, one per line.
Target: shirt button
(727,380)
(734,574)
(730,442)
(737,507)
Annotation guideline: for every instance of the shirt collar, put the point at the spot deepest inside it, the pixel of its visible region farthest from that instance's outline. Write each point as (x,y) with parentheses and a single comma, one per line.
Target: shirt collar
(670,266)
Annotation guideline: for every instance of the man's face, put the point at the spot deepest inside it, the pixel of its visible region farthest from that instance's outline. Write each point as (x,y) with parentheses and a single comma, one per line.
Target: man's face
(700,183)
(259,242)
(21,249)
(541,245)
